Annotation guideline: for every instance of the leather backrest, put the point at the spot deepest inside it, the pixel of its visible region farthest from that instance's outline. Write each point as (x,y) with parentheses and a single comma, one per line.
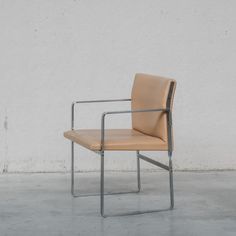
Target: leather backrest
(151,92)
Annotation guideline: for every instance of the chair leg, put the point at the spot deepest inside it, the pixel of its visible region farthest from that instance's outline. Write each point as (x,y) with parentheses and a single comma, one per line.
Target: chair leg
(138,172)
(102,178)
(138,180)
(72,168)
(171,183)
(102,185)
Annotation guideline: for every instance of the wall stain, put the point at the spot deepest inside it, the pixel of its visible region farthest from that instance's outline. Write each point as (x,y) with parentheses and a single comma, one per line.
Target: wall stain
(5,125)
(5,168)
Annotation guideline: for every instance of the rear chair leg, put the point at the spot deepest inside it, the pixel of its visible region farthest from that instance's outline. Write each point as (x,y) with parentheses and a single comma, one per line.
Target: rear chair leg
(171,182)
(138,172)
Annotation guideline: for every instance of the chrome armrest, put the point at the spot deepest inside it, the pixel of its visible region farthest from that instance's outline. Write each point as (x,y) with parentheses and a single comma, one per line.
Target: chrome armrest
(92,101)
(124,112)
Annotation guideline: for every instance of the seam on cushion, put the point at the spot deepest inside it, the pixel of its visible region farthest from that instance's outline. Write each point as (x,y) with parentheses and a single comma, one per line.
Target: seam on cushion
(149,135)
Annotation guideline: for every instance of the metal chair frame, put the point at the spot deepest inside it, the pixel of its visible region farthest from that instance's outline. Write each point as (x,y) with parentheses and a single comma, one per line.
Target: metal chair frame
(139,156)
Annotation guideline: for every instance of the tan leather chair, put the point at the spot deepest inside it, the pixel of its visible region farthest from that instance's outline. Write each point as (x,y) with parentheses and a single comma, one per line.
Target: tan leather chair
(151,110)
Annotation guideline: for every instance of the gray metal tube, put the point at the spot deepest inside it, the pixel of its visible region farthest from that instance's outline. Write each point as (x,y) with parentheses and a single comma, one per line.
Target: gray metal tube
(138,172)
(102,185)
(171,184)
(72,168)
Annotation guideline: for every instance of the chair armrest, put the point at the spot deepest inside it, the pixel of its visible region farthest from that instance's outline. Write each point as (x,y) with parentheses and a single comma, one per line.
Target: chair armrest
(125,112)
(91,101)
(103,100)
(136,111)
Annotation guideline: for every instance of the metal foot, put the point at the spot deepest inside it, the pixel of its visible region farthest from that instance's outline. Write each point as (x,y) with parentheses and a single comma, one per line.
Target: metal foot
(131,213)
(108,193)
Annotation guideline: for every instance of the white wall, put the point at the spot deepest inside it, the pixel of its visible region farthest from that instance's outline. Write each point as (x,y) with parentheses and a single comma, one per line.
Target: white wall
(53,52)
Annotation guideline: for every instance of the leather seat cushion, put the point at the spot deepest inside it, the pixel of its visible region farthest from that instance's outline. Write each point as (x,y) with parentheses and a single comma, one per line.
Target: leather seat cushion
(116,139)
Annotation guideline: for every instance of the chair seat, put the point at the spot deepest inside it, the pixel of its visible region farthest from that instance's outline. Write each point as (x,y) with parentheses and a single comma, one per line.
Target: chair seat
(116,139)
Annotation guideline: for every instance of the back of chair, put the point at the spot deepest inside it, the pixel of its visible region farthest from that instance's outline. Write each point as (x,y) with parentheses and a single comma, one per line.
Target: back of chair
(151,92)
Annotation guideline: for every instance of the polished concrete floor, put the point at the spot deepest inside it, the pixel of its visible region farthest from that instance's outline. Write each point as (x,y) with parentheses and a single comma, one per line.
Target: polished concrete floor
(40,204)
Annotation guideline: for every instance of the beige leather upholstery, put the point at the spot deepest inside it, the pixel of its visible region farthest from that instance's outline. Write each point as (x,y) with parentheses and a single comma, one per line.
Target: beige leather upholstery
(149,130)
(116,139)
(150,92)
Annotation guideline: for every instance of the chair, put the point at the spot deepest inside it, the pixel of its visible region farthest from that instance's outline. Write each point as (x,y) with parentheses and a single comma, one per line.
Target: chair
(151,111)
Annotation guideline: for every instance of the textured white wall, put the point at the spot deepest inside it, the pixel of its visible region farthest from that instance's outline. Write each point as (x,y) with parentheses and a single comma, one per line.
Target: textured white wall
(54,52)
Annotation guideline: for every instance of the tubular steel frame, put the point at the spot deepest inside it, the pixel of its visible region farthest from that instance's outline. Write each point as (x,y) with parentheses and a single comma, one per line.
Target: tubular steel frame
(139,156)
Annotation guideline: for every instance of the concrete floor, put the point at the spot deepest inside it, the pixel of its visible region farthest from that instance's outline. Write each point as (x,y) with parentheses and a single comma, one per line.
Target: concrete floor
(40,204)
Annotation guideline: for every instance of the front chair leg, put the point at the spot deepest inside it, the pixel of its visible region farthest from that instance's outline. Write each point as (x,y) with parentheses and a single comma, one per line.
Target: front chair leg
(138,172)
(102,185)
(171,182)
(72,168)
